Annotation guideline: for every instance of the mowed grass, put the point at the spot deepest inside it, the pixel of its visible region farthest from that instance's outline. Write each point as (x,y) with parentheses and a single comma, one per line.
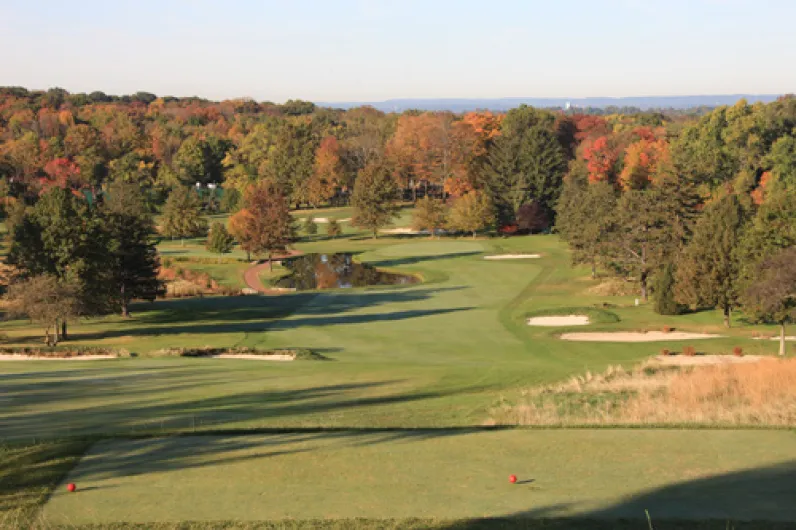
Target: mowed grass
(437,354)
(440,474)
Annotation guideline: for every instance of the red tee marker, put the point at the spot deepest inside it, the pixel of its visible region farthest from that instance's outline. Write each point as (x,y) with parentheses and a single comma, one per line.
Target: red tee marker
(513,479)
(71,487)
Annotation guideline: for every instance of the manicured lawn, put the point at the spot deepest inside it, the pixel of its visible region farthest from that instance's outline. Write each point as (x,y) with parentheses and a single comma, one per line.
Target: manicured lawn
(443,474)
(437,354)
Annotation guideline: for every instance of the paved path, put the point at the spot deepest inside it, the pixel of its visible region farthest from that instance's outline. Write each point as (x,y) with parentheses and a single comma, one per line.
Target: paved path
(251,276)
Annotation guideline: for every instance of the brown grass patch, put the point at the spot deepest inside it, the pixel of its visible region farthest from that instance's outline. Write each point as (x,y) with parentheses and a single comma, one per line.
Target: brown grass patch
(615,287)
(759,393)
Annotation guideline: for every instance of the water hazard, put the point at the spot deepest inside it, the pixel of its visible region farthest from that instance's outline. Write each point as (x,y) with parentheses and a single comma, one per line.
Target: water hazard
(336,271)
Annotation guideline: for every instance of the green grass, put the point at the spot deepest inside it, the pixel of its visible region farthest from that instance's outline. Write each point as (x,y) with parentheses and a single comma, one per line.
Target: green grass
(442,474)
(437,355)
(28,474)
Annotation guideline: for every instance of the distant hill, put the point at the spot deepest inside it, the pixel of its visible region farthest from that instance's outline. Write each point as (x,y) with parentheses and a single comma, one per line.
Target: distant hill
(500,104)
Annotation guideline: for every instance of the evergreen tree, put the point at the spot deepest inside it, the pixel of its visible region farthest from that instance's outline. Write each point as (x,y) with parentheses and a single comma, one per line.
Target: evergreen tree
(429,214)
(219,240)
(665,302)
(374,198)
(709,272)
(182,215)
(333,228)
(310,228)
(585,214)
(133,262)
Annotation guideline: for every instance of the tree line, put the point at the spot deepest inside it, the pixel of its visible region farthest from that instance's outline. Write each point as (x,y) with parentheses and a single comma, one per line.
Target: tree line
(695,207)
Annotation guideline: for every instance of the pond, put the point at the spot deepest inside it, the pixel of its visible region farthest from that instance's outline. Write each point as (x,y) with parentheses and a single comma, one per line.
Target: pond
(336,271)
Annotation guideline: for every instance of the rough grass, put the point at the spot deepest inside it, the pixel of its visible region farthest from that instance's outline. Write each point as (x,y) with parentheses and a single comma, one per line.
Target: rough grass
(762,393)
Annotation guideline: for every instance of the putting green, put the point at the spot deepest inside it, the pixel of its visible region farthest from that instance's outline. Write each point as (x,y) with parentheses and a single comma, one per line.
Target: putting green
(732,475)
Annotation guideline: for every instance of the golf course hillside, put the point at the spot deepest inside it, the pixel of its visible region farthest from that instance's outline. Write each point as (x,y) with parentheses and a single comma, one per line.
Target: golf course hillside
(407,372)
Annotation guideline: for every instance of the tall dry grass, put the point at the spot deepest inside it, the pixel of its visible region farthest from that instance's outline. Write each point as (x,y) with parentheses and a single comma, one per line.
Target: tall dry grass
(761,393)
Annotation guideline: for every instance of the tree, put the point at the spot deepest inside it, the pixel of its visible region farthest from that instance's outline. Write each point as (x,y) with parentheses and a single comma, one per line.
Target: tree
(333,228)
(125,198)
(45,299)
(772,296)
(63,237)
(374,198)
(264,224)
(709,272)
(472,212)
(665,302)
(429,214)
(182,215)
(219,240)
(585,217)
(133,263)
(532,218)
(310,228)
(328,174)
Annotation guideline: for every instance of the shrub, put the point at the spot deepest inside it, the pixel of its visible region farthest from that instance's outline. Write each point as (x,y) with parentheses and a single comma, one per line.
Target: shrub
(532,218)
(667,329)
(665,352)
(310,228)
(333,228)
(689,351)
(737,351)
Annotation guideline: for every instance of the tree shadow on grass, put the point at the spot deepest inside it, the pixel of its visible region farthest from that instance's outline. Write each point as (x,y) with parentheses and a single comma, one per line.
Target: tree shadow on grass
(761,498)
(413,260)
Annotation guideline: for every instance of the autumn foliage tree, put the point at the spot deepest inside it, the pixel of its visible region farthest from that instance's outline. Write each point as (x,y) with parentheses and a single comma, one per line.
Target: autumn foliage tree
(429,214)
(472,213)
(264,224)
(328,172)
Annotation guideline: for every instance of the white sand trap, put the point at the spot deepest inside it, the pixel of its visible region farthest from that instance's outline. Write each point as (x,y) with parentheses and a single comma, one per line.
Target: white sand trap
(704,360)
(325,220)
(635,336)
(253,357)
(568,320)
(787,337)
(17,357)
(513,256)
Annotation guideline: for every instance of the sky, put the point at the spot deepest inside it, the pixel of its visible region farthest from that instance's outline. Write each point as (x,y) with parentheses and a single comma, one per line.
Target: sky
(371,50)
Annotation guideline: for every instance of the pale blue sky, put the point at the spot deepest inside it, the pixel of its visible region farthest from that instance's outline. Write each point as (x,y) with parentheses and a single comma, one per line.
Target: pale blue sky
(344,50)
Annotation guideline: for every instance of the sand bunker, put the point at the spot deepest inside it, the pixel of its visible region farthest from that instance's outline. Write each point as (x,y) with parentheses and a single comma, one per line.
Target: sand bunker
(634,336)
(787,337)
(408,231)
(253,357)
(13,357)
(568,320)
(703,360)
(325,220)
(513,256)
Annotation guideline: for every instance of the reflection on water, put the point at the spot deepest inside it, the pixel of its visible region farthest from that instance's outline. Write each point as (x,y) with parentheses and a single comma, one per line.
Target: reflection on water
(336,271)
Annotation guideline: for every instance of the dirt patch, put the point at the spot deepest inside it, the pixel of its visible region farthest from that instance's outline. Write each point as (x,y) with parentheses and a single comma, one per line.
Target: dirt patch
(636,336)
(560,320)
(513,256)
(12,357)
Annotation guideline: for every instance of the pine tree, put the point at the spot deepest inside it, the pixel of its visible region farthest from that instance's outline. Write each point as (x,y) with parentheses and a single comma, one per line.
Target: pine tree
(182,215)
(219,240)
(310,228)
(585,214)
(429,214)
(374,198)
(709,272)
(665,302)
(133,263)
(333,228)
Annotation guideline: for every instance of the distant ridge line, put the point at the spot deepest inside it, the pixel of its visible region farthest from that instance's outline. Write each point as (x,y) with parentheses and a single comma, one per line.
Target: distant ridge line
(501,104)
